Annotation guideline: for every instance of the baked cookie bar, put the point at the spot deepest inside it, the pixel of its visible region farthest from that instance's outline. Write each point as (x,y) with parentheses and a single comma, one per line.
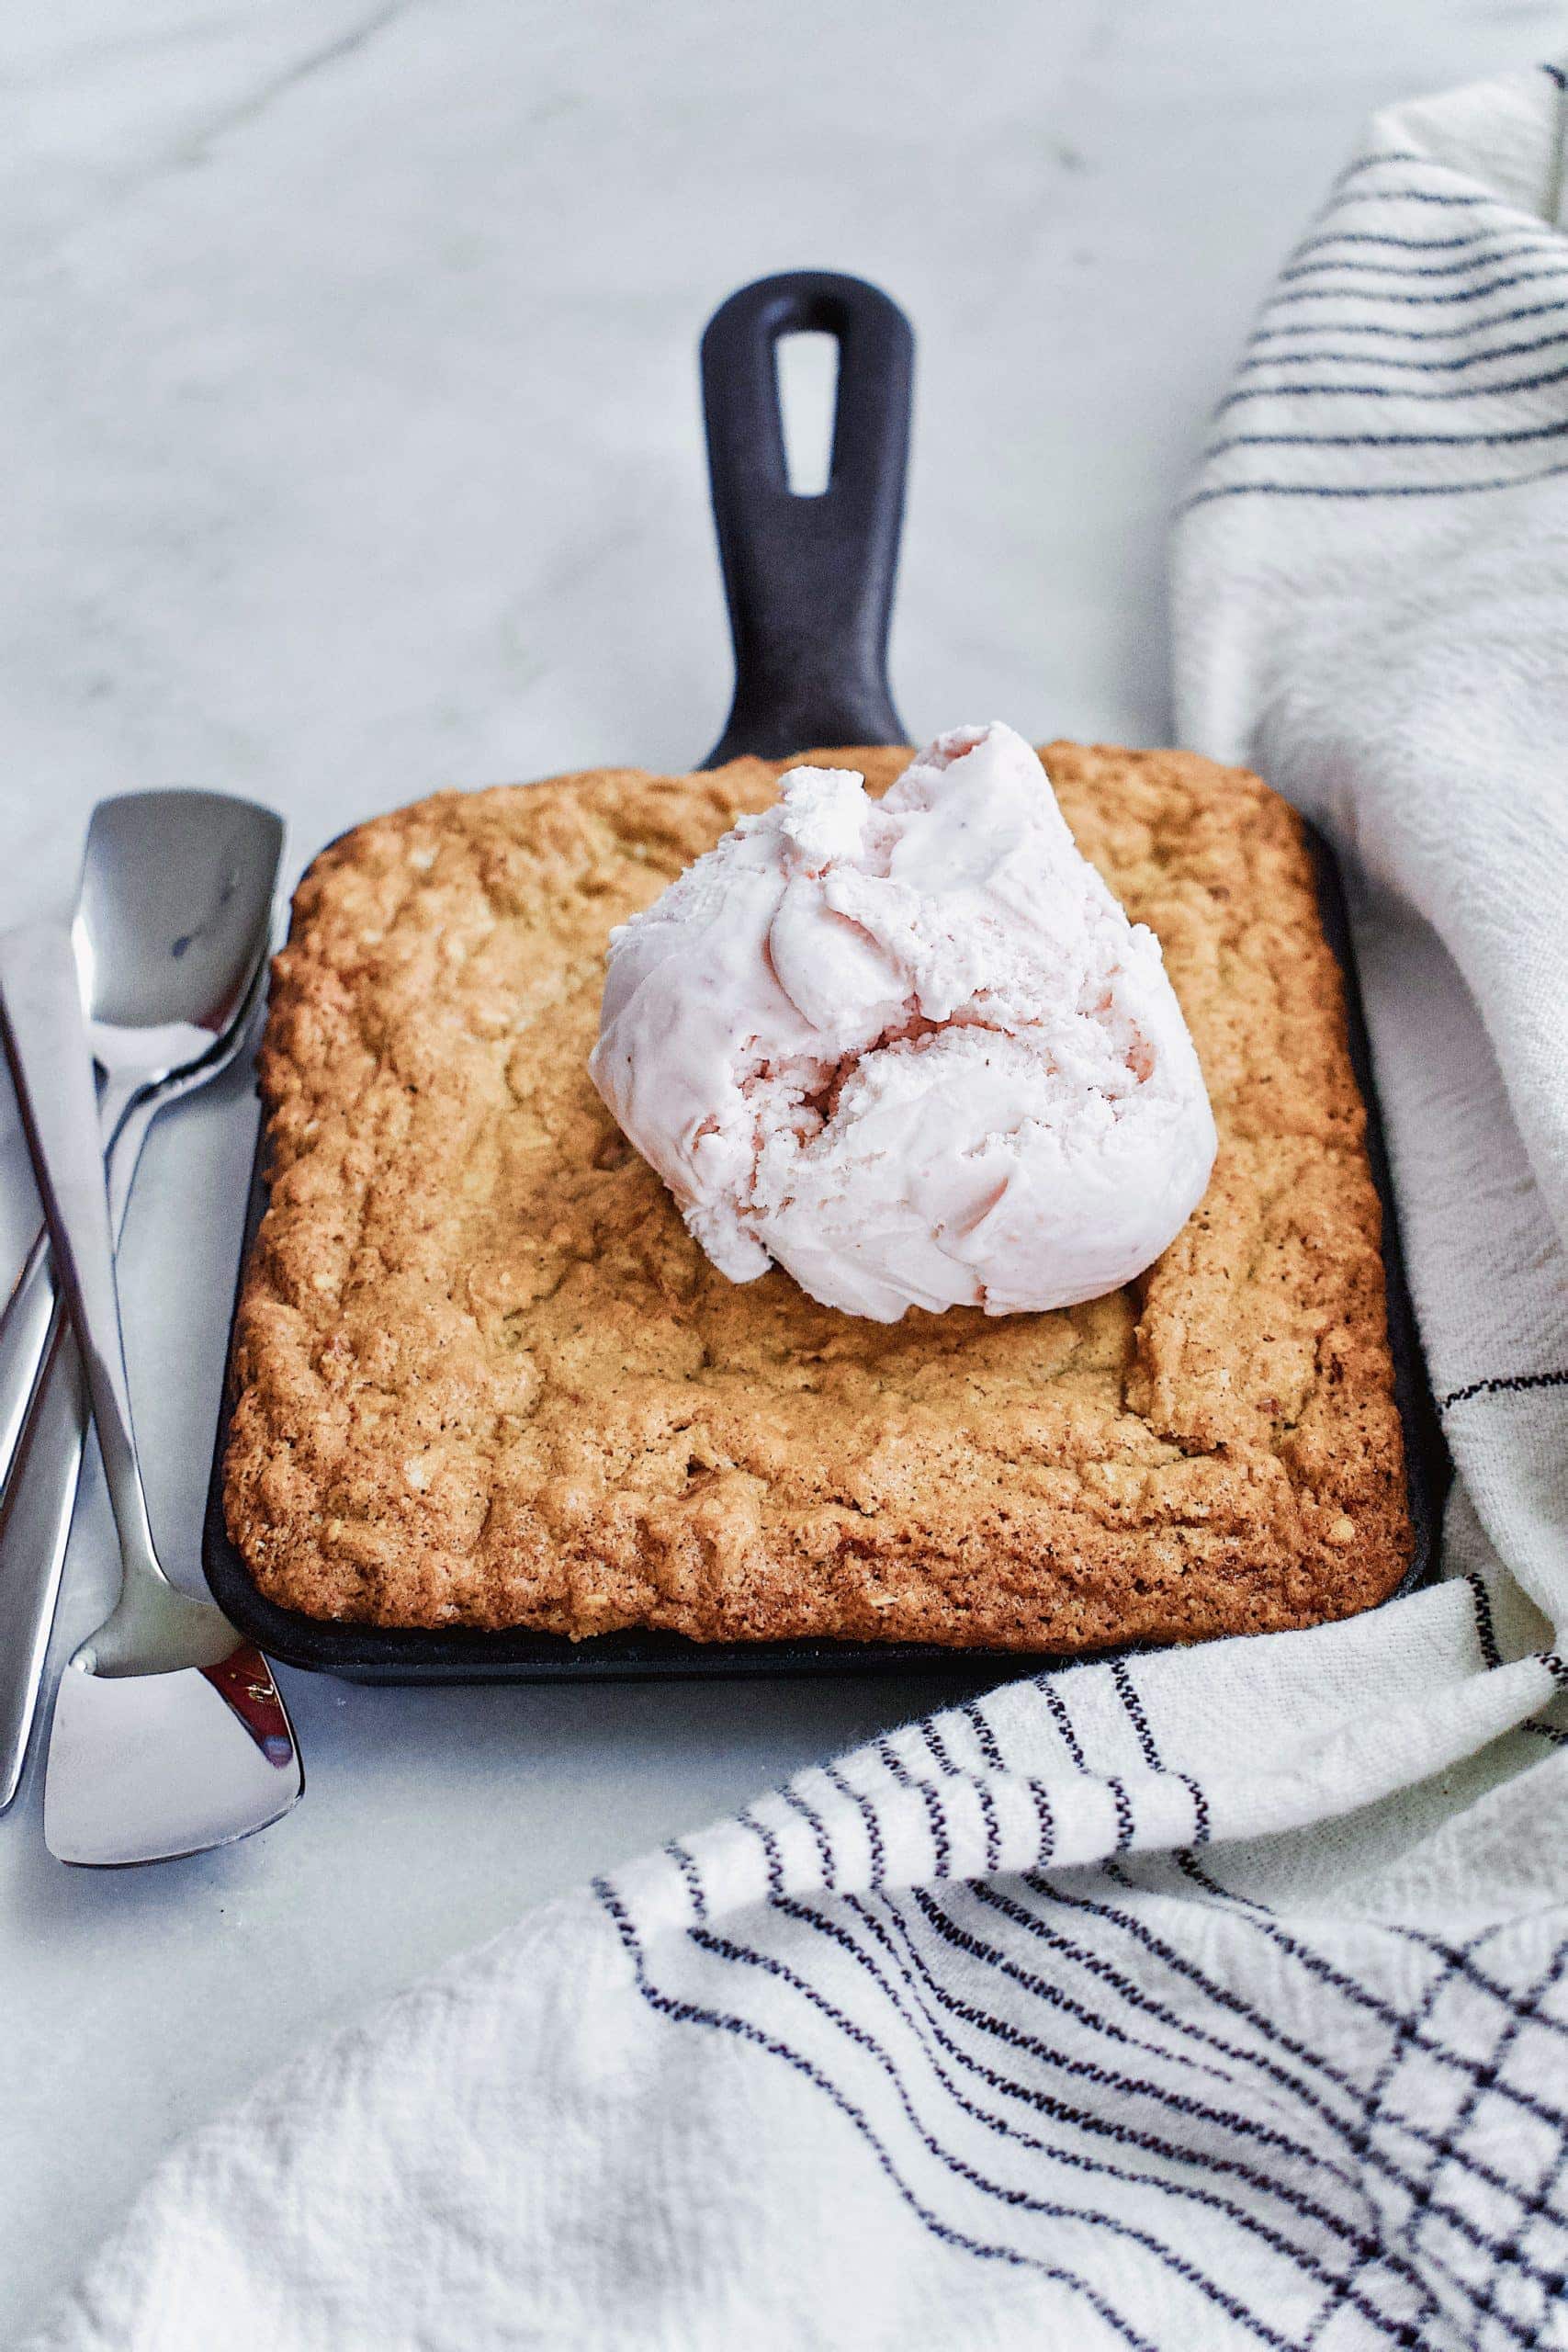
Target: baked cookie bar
(484,1378)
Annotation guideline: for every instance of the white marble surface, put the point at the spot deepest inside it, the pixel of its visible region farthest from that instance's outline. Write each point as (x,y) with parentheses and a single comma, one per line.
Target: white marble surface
(348,410)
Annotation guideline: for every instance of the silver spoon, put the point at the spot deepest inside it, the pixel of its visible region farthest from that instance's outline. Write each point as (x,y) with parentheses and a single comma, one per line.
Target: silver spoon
(148,854)
(40,1494)
(169,1734)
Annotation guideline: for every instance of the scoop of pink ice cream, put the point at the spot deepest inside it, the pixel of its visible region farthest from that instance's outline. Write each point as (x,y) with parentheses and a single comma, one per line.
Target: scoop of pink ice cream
(910,1049)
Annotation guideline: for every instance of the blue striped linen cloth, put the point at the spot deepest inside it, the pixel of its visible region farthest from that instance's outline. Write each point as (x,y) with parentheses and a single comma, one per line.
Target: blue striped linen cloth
(1190,2000)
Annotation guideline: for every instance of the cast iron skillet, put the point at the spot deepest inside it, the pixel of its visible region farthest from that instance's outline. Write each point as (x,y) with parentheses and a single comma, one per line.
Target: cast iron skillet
(810,587)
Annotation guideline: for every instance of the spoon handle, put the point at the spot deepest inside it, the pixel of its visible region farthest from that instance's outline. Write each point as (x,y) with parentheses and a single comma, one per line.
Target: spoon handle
(32,1317)
(25,1330)
(39,1477)
(46,1043)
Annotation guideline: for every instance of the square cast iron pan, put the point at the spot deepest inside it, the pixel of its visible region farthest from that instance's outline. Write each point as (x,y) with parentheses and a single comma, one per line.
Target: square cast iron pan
(379,1653)
(810,581)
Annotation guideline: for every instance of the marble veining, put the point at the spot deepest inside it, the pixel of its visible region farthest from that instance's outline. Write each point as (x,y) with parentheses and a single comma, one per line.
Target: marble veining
(347,389)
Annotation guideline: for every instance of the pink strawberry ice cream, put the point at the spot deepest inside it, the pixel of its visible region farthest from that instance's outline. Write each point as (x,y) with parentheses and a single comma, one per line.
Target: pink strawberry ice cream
(910,1049)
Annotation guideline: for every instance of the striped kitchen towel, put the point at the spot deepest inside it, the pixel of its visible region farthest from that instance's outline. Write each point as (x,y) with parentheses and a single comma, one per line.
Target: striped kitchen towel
(1204,1999)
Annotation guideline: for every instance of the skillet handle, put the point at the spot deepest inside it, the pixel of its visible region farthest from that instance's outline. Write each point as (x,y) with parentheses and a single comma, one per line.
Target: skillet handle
(809,580)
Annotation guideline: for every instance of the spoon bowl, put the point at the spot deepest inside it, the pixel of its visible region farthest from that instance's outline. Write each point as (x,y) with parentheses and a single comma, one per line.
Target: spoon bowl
(201,1757)
(173,917)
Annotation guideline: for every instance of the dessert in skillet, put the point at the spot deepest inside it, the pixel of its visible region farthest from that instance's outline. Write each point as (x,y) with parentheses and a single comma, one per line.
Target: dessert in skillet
(485,1375)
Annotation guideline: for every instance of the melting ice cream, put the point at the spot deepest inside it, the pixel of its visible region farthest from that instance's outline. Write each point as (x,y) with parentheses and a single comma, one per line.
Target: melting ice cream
(912,1050)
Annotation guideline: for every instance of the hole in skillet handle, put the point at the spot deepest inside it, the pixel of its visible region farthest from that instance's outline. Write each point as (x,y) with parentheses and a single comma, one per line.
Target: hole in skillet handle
(808,579)
(808,365)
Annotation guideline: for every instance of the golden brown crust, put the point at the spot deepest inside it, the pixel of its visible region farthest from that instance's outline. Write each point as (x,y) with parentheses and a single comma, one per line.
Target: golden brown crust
(484,1378)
